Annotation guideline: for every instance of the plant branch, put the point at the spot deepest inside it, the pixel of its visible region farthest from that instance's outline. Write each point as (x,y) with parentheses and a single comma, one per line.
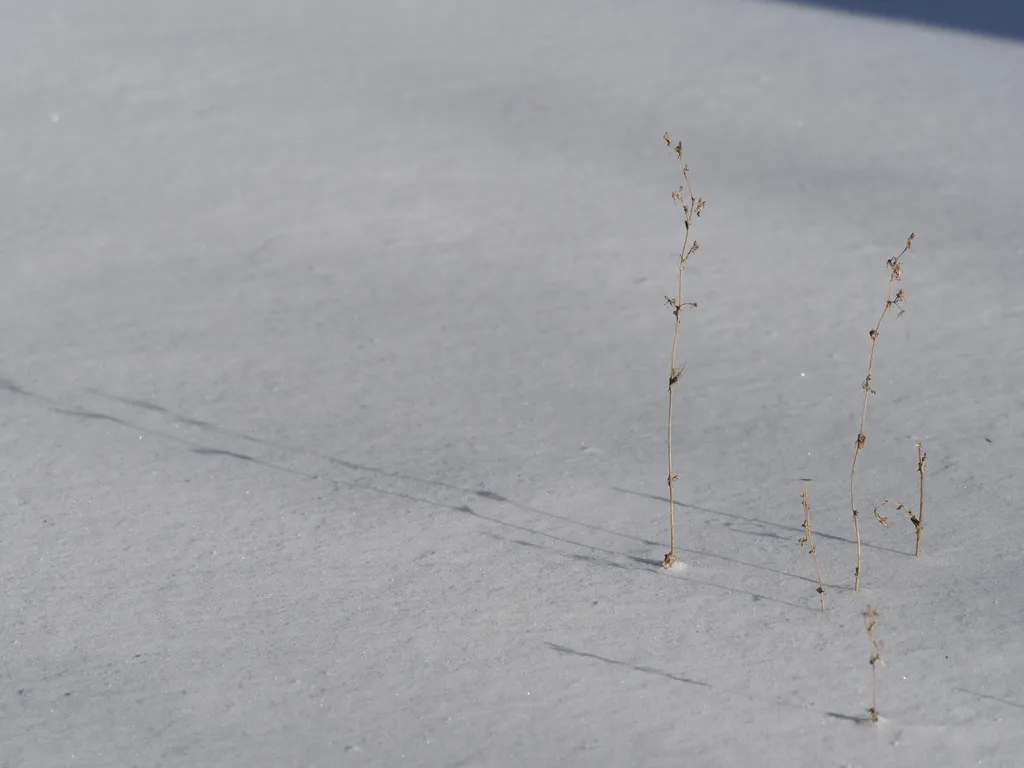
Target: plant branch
(891,301)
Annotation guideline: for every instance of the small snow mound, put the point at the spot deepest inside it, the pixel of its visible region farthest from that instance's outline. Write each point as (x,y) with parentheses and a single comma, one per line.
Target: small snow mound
(678,565)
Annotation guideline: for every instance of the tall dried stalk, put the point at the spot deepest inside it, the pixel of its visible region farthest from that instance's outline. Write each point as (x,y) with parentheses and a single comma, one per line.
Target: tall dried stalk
(870,624)
(891,301)
(692,206)
(808,539)
(922,462)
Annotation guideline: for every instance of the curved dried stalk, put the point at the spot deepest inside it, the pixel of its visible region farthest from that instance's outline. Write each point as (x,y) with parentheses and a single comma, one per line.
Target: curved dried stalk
(891,301)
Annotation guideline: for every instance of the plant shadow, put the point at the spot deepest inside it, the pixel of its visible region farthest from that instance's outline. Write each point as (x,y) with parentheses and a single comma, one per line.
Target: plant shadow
(758,521)
(201,449)
(650,567)
(566,651)
(855,719)
(648,670)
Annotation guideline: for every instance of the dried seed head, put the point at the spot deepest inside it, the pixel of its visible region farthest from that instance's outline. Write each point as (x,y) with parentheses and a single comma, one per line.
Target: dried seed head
(901,302)
(915,521)
(910,241)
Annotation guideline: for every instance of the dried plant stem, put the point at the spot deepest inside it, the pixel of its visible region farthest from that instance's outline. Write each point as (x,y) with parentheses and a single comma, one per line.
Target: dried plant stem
(874,694)
(891,300)
(692,206)
(808,539)
(870,624)
(922,462)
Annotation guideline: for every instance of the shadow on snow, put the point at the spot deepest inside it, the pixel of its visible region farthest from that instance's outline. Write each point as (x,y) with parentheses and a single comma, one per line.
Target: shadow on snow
(997,18)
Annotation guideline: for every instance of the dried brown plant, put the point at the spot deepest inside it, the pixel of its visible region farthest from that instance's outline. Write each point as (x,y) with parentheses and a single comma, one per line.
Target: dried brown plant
(897,300)
(870,625)
(808,539)
(692,206)
(922,467)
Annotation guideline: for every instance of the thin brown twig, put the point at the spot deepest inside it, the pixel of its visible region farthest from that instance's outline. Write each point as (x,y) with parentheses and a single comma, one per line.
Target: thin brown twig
(897,301)
(808,539)
(692,207)
(899,508)
(922,462)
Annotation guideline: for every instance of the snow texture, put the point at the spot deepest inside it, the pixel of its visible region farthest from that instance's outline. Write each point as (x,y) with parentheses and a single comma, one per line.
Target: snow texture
(332,384)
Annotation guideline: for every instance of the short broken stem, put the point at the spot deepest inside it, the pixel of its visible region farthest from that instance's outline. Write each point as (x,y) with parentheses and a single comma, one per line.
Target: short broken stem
(874,693)
(809,538)
(870,624)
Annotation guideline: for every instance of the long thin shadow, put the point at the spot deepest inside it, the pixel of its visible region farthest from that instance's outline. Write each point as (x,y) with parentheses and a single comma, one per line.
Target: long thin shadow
(91,415)
(489,495)
(230,454)
(155,408)
(780,526)
(193,446)
(761,568)
(654,570)
(203,450)
(591,559)
(334,481)
(61,408)
(640,560)
(526,529)
(1007,702)
(483,494)
(10,386)
(856,719)
(565,650)
(16,389)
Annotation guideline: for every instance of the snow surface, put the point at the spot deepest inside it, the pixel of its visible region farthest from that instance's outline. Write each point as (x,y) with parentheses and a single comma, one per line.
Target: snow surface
(332,385)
